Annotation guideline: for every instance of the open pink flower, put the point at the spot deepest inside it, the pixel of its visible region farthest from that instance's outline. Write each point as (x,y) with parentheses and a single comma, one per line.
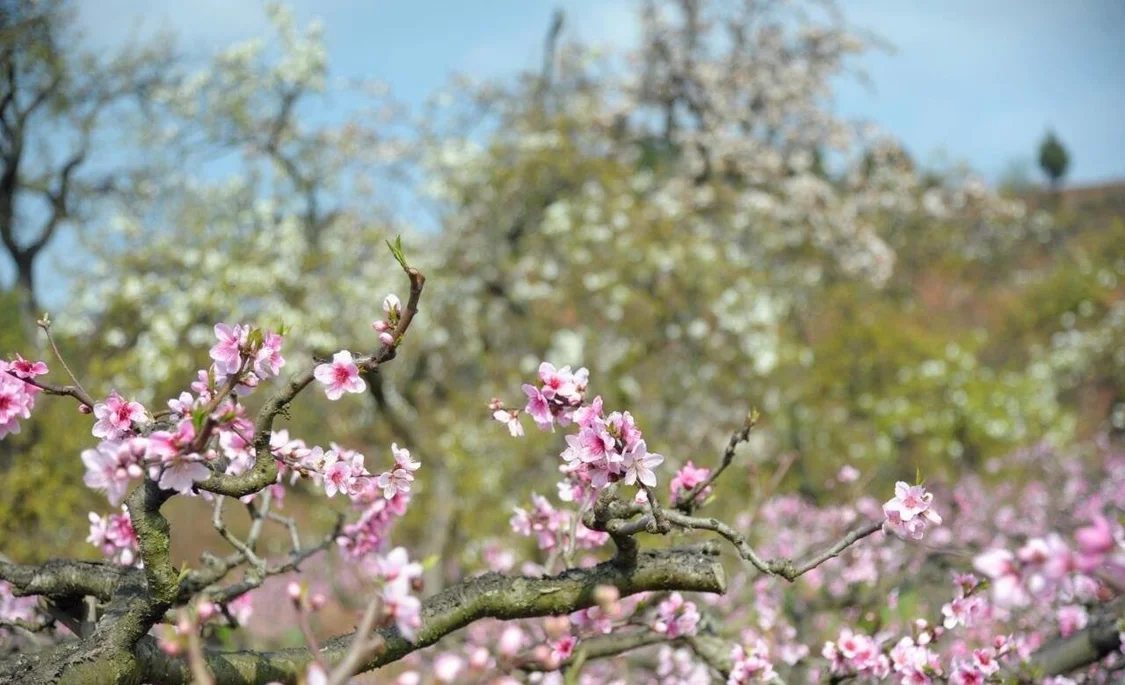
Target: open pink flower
(116,417)
(639,464)
(227,353)
(27,369)
(340,376)
(537,407)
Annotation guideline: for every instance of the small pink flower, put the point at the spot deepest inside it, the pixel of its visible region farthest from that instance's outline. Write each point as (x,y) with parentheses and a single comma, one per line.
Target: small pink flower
(395,481)
(27,369)
(116,417)
(639,464)
(340,376)
(509,418)
(403,460)
(687,478)
(227,353)
(538,408)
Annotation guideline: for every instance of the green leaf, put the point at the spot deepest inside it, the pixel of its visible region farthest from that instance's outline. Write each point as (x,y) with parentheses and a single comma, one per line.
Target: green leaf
(396,250)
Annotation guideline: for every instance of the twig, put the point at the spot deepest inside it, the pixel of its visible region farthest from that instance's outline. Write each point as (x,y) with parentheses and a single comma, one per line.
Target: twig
(45,324)
(200,673)
(689,500)
(786,568)
(243,549)
(60,390)
(363,644)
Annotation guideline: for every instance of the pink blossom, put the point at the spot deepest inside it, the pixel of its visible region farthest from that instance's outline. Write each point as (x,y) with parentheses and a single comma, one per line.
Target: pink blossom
(403,607)
(268,360)
(639,464)
(116,417)
(512,640)
(16,402)
(447,667)
(109,467)
(687,478)
(562,648)
(509,418)
(396,564)
(538,408)
(587,415)
(241,608)
(403,459)
(27,369)
(114,536)
(181,472)
(1072,618)
(1097,538)
(676,617)
(227,353)
(909,512)
(340,376)
(395,481)
(338,478)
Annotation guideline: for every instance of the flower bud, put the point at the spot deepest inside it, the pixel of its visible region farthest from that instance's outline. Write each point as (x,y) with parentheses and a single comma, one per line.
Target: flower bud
(293,589)
(381,326)
(391,304)
(317,601)
(205,610)
(387,339)
(84,409)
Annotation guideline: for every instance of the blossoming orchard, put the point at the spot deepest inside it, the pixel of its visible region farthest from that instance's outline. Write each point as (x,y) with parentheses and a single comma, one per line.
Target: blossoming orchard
(630,559)
(708,383)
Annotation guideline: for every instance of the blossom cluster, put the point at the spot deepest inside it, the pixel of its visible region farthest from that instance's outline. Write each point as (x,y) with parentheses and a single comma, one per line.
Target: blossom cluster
(909,512)
(605,449)
(17,398)
(114,536)
(385,327)
(552,528)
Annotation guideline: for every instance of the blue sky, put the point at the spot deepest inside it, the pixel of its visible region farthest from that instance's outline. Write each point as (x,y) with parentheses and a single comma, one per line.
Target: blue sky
(976,81)
(970,80)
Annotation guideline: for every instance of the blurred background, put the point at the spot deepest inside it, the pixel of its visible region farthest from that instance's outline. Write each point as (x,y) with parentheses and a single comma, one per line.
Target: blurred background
(896,229)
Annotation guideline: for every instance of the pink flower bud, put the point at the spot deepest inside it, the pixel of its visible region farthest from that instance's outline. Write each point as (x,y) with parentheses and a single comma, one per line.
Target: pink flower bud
(387,339)
(205,610)
(84,409)
(381,326)
(293,589)
(317,601)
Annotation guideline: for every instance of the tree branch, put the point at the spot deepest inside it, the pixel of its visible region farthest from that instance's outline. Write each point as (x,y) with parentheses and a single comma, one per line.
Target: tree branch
(689,569)
(63,578)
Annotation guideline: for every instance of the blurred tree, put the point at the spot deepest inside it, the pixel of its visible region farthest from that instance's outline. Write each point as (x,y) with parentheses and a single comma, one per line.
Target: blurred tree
(1053,159)
(57,104)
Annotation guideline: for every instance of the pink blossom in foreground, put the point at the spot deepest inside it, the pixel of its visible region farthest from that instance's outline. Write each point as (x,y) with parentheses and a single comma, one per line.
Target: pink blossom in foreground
(227,353)
(27,369)
(116,417)
(17,399)
(639,465)
(340,376)
(909,512)
(114,536)
(111,465)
